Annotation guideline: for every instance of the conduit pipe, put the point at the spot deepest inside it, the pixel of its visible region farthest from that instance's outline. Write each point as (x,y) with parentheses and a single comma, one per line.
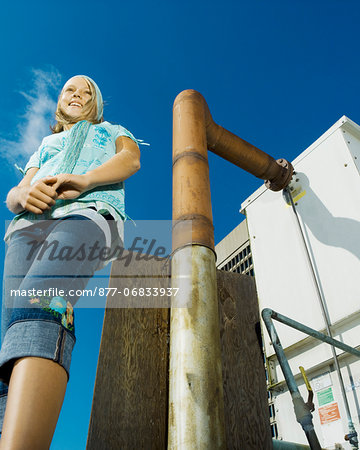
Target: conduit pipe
(285,445)
(234,149)
(301,409)
(194,131)
(196,410)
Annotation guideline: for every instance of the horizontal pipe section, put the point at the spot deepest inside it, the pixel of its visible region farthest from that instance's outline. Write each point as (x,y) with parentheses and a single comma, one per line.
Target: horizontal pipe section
(310,331)
(285,445)
(238,151)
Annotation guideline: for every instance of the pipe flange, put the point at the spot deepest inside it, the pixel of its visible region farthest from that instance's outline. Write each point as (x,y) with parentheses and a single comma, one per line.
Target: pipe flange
(283,178)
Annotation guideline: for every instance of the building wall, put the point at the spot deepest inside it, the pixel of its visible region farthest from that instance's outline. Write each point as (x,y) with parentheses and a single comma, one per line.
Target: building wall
(233,253)
(326,196)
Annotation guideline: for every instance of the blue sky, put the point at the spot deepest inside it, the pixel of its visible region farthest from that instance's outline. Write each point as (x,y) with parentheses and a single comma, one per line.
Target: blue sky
(278,74)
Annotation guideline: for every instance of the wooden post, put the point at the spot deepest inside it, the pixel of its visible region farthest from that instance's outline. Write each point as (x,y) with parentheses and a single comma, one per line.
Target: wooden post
(131,388)
(130,405)
(247,420)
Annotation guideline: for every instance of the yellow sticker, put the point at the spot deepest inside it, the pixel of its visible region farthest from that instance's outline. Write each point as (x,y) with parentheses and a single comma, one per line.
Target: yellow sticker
(296,198)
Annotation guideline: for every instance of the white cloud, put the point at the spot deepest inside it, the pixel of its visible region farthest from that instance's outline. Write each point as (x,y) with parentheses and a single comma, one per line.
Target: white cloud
(33,124)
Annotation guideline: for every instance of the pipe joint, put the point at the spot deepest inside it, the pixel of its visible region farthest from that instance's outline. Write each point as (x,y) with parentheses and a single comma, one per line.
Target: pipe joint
(282,178)
(302,412)
(352,438)
(266,313)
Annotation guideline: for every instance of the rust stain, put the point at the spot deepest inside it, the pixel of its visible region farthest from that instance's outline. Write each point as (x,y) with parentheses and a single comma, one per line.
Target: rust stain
(171,415)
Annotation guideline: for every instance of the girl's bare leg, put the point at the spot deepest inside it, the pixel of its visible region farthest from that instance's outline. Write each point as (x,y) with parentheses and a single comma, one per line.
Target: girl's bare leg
(36,393)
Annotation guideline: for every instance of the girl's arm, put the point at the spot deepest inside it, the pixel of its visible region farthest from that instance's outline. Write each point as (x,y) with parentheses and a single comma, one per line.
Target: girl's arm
(35,198)
(118,168)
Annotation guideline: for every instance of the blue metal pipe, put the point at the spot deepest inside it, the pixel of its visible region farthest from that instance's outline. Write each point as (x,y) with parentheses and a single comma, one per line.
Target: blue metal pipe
(285,445)
(302,412)
(310,331)
(285,367)
(269,314)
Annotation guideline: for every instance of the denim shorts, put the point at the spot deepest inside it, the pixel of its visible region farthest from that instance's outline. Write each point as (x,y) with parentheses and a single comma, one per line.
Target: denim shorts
(46,266)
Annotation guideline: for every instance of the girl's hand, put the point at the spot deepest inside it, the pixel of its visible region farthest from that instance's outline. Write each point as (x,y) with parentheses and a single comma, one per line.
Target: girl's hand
(70,186)
(35,198)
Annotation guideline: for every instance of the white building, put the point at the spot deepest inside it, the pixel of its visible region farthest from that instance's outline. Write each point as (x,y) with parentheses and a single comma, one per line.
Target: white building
(304,254)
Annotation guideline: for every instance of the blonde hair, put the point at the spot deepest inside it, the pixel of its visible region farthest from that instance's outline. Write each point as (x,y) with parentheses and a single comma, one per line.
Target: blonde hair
(89,112)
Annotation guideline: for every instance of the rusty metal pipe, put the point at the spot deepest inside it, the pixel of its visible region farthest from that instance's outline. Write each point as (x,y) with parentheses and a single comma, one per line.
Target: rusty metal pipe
(196,410)
(191,184)
(239,152)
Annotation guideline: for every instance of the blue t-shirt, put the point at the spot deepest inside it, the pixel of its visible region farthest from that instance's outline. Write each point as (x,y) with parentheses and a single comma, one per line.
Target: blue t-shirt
(99,146)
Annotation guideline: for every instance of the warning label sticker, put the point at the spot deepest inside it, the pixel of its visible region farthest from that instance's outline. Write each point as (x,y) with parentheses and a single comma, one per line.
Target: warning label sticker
(329,413)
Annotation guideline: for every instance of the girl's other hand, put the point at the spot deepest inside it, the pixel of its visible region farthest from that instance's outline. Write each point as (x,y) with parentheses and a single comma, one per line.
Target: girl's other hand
(39,196)
(69,186)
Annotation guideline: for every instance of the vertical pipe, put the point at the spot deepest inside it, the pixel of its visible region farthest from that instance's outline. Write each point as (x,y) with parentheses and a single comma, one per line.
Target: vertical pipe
(302,412)
(196,410)
(196,400)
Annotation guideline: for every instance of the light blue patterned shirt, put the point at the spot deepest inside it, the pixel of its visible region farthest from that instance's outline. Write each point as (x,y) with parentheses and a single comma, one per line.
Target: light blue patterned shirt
(99,146)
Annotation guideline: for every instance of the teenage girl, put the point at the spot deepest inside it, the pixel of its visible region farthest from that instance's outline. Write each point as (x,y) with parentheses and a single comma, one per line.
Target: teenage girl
(70,199)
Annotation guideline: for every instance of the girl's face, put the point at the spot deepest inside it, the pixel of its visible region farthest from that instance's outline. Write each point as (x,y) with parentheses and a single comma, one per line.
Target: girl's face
(75,94)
